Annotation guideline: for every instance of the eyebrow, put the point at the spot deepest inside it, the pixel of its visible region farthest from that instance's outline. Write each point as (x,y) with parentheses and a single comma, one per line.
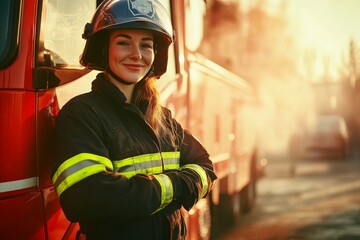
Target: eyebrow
(129,37)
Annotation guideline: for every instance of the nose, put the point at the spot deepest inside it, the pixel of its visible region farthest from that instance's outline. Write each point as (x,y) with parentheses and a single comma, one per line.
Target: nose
(135,53)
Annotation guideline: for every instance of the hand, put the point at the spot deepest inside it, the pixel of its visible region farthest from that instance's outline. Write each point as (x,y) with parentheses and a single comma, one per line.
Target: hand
(189,194)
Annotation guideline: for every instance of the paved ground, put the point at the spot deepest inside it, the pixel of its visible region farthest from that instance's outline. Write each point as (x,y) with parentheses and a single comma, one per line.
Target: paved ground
(321,201)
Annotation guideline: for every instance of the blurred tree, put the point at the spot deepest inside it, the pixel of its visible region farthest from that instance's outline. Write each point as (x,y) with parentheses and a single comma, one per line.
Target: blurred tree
(350,71)
(253,39)
(350,76)
(250,40)
(222,41)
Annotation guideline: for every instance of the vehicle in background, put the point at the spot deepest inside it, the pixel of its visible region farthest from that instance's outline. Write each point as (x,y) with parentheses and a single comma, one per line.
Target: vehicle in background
(327,136)
(40,72)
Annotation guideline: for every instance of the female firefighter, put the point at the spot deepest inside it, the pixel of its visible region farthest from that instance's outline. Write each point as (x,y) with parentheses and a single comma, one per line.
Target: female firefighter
(124,167)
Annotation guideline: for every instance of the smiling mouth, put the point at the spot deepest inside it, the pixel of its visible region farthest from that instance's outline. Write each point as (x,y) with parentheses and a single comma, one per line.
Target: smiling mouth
(133,67)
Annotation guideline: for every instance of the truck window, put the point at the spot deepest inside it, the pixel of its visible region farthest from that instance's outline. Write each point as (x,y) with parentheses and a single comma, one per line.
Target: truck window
(195,12)
(170,74)
(9,34)
(63,25)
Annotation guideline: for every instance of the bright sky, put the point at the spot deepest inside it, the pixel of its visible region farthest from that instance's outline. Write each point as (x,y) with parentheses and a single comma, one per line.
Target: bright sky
(327,25)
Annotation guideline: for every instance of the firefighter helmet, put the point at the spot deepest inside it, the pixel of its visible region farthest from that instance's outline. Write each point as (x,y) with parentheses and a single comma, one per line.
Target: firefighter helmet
(127,14)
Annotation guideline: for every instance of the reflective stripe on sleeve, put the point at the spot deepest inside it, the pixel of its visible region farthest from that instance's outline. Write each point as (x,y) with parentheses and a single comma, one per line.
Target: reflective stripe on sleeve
(171,160)
(203,176)
(153,163)
(77,168)
(167,191)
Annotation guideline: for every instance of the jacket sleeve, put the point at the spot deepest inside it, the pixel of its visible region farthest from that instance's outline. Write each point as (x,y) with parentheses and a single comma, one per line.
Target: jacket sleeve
(84,179)
(196,172)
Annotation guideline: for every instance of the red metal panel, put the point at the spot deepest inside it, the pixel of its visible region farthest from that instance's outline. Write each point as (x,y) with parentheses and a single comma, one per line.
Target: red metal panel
(45,123)
(17,138)
(19,74)
(21,218)
(26,122)
(57,224)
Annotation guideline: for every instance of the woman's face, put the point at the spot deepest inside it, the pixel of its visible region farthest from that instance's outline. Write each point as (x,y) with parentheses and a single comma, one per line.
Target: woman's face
(131,53)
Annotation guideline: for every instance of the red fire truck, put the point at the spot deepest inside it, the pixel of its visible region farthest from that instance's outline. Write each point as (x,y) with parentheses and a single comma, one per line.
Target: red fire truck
(40,44)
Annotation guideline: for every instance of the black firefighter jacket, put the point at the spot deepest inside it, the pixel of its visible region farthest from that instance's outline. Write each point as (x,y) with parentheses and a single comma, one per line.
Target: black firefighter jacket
(116,178)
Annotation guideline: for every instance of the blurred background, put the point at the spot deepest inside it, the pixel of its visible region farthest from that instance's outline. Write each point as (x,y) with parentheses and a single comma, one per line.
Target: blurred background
(303,59)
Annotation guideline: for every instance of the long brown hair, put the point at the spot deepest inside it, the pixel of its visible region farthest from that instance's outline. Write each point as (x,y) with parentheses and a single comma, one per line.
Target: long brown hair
(154,114)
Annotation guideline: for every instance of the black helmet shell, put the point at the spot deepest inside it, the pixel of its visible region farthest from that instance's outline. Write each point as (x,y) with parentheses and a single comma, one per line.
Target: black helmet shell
(127,14)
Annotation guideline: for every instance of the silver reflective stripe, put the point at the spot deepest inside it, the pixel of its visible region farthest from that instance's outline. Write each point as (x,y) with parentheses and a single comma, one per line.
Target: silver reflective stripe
(171,161)
(73,169)
(140,166)
(203,177)
(167,191)
(18,184)
(78,168)
(149,164)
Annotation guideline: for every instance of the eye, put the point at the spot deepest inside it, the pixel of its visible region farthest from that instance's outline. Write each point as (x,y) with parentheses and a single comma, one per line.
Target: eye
(147,46)
(122,43)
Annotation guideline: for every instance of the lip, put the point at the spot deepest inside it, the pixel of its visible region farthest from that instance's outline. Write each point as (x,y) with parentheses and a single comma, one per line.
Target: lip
(134,67)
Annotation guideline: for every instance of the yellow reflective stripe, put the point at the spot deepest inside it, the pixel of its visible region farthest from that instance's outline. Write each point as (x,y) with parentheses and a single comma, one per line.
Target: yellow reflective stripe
(149,164)
(171,155)
(171,167)
(77,158)
(203,176)
(78,176)
(142,164)
(171,160)
(77,168)
(130,174)
(137,159)
(167,191)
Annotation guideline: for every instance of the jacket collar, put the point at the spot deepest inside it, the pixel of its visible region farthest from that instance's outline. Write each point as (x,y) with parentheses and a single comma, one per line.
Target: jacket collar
(104,87)
(101,85)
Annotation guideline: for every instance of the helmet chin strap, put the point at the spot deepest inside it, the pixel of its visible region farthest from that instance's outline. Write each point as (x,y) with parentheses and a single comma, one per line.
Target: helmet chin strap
(149,73)
(117,78)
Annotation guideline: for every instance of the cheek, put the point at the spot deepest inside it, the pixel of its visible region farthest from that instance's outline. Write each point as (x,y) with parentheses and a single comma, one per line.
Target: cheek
(149,58)
(113,56)
(115,53)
